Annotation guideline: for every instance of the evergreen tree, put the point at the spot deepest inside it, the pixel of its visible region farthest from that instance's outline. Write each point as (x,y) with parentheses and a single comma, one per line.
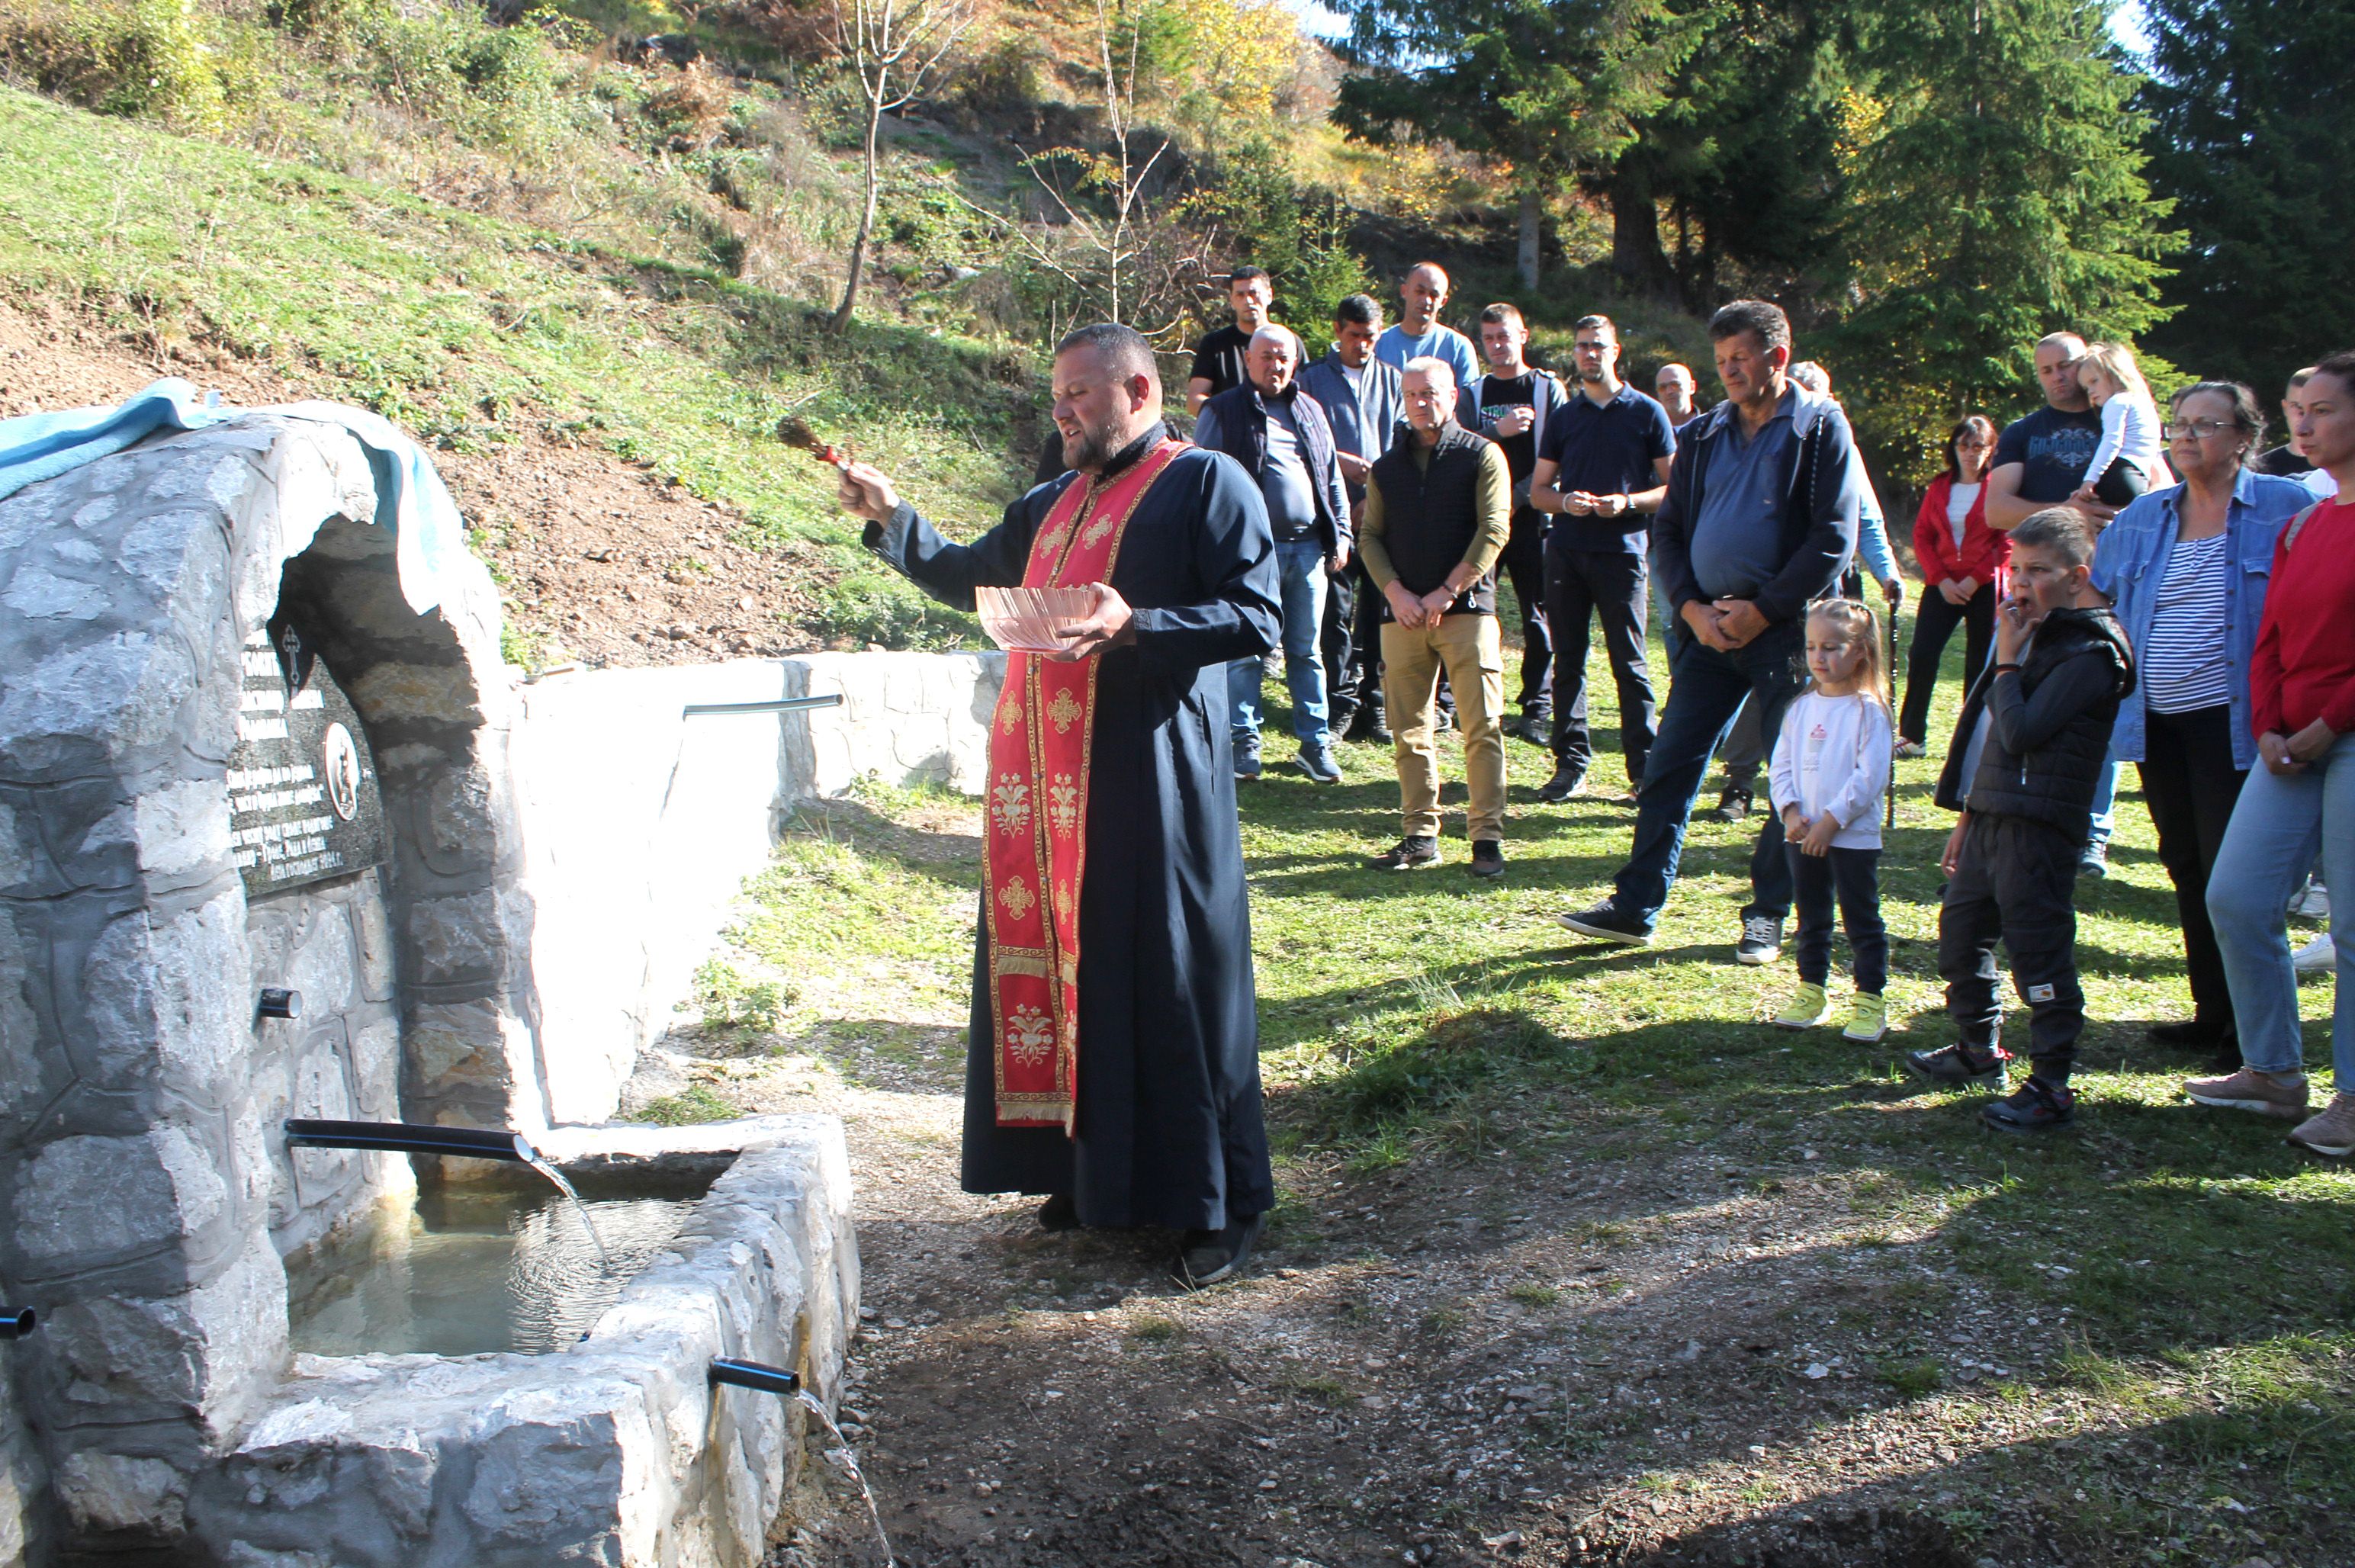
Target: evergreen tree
(1551,89)
(1996,193)
(2249,103)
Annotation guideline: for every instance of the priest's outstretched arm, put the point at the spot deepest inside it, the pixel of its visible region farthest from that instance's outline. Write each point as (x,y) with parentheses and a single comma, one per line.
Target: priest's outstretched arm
(948,573)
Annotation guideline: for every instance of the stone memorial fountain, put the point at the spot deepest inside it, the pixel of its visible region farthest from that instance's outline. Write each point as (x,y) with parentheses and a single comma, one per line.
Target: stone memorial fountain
(260,861)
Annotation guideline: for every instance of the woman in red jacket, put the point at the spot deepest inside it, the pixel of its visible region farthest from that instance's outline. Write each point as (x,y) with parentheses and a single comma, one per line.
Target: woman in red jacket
(1962,561)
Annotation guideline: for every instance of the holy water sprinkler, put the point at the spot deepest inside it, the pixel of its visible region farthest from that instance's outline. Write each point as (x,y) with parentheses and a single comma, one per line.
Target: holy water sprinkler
(16,1322)
(411,1137)
(794,430)
(779,705)
(755,1375)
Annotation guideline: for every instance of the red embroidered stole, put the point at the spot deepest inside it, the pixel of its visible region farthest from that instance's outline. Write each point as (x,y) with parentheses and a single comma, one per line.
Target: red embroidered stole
(1035,844)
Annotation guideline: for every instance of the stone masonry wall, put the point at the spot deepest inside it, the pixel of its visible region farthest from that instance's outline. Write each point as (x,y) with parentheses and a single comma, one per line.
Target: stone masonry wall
(642,827)
(141,1177)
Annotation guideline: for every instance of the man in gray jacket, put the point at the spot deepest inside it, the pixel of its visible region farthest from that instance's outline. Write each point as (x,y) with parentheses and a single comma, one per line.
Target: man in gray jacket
(1282,442)
(1363,401)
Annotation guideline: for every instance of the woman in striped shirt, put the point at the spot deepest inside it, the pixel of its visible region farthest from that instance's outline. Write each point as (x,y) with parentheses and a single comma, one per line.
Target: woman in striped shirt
(2186,569)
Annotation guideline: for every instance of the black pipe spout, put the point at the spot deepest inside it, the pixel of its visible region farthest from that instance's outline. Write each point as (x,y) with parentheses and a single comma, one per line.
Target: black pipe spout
(16,1322)
(755,1375)
(411,1138)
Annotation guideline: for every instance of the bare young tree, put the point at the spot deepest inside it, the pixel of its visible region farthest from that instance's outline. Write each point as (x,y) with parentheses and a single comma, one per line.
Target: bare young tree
(895,46)
(1118,257)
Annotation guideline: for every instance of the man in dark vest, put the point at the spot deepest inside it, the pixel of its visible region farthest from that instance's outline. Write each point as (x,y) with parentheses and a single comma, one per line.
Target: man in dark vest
(1439,508)
(1283,442)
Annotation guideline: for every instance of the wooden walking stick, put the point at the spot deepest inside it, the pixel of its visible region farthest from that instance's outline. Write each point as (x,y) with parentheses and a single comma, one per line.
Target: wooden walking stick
(1896,607)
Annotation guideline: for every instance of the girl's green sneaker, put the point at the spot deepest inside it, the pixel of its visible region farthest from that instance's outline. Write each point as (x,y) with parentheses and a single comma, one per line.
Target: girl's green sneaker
(1868,1021)
(1808,1010)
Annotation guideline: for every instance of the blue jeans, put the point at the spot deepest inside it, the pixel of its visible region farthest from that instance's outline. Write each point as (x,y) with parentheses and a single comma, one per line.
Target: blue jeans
(2106,799)
(2276,826)
(1301,565)
(1706,689)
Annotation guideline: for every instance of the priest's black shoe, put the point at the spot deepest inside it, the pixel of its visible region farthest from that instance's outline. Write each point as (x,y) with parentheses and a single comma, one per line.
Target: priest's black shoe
(1207,1257)
(1060,1213)
(2194,1034)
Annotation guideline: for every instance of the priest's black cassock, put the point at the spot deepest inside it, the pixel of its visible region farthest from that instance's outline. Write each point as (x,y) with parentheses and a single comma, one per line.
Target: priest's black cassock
(1169,1125)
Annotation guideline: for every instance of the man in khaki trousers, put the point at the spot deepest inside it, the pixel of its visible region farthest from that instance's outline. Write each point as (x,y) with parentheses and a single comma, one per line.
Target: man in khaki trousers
(1439,509)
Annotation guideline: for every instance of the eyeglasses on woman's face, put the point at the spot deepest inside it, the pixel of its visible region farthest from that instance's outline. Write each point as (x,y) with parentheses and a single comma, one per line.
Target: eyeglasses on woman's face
(2200,430)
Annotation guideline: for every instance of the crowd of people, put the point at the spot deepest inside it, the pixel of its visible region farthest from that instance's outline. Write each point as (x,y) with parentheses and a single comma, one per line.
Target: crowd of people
(2133,586)
(2161,590)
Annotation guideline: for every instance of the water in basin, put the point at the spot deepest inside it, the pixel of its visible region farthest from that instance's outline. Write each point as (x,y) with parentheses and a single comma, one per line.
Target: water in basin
(465,1269)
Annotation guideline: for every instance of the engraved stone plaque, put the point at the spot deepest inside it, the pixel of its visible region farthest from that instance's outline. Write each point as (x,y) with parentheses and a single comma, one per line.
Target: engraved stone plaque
(301,783)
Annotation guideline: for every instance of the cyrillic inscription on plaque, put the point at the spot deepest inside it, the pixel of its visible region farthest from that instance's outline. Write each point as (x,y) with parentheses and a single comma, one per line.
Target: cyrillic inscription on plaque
(302,784)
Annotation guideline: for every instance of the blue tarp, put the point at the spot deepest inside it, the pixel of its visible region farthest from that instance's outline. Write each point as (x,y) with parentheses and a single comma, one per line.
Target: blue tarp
(411,498)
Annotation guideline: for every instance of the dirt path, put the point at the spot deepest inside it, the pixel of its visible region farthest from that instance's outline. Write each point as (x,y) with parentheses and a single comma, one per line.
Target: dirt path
(1598,1346)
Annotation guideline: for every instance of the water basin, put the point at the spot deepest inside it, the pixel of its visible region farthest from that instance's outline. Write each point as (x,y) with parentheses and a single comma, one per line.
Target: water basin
(465,1269)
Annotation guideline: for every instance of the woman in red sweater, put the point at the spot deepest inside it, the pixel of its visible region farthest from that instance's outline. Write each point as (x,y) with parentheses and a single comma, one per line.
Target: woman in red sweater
(1963,561)
(2302,707)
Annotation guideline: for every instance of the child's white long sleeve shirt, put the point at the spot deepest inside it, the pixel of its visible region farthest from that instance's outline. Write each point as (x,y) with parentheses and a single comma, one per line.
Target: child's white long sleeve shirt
(2129,430)
(1833,755)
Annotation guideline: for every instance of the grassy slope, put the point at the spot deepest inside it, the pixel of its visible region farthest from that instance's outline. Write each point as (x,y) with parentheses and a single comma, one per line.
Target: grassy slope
(1429,1026)
(468,329)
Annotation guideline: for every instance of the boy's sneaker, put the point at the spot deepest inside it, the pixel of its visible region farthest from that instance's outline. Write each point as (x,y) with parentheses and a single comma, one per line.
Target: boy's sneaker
(1808,1010)
(1536,726)
(1762,940)
(2312,901)
(1409,854)
(1868,1021)
(1605,922)
(1569,779)
(1960,1066)
(2035,1106)
(2250,1090)
(1734,803)
(1487,858)
(1247,759)
(1316,762)
(1909,749)
(2316,956)
(2331,1132)
(2094,861)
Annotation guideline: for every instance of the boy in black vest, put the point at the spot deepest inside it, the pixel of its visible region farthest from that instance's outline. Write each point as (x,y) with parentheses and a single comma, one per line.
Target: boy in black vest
(2038,721)
(1439,508)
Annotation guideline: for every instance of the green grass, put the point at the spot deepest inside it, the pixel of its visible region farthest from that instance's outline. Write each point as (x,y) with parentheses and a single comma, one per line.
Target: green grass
(470,331)
(1415,1025)
(696,1102)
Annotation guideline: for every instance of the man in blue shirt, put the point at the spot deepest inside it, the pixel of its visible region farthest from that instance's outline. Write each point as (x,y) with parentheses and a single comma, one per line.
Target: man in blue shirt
(1282,442)
(1759,520)
(1418,335)
(1602,470)
(1363,401)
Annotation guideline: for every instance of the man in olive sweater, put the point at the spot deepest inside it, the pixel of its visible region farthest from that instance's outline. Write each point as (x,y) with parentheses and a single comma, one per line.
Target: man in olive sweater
(1439,508)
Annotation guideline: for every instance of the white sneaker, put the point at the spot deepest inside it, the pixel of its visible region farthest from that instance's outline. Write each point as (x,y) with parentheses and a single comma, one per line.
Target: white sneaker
(2315,957)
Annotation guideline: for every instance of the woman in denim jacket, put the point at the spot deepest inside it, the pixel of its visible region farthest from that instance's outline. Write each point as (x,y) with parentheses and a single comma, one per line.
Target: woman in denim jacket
(2186,569)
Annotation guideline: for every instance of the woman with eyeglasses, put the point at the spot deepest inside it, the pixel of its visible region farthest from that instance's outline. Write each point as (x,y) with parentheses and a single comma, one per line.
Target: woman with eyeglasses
(2186,569)
(1963,561)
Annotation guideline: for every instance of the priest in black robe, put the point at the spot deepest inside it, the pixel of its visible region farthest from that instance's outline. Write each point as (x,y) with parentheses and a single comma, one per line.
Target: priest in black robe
(1168,1128)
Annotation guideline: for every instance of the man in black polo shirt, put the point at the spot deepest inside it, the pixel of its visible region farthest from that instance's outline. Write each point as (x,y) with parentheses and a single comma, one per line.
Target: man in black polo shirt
(2040,461)
(1514,400)
(1218,358)
(1601,472)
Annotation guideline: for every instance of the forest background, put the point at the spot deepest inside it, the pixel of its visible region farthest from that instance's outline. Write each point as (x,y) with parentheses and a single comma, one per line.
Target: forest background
(631,224)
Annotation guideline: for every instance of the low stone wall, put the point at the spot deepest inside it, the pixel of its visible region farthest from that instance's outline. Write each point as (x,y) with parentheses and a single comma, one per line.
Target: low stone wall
(641,827)
(615,1451)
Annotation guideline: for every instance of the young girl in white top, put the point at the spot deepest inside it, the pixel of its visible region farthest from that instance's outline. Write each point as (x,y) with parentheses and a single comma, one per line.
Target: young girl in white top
(2132,456)
(1831,777)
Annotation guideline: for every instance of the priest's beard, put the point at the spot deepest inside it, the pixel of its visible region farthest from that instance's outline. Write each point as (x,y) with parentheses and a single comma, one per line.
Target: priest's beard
(1097,446)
